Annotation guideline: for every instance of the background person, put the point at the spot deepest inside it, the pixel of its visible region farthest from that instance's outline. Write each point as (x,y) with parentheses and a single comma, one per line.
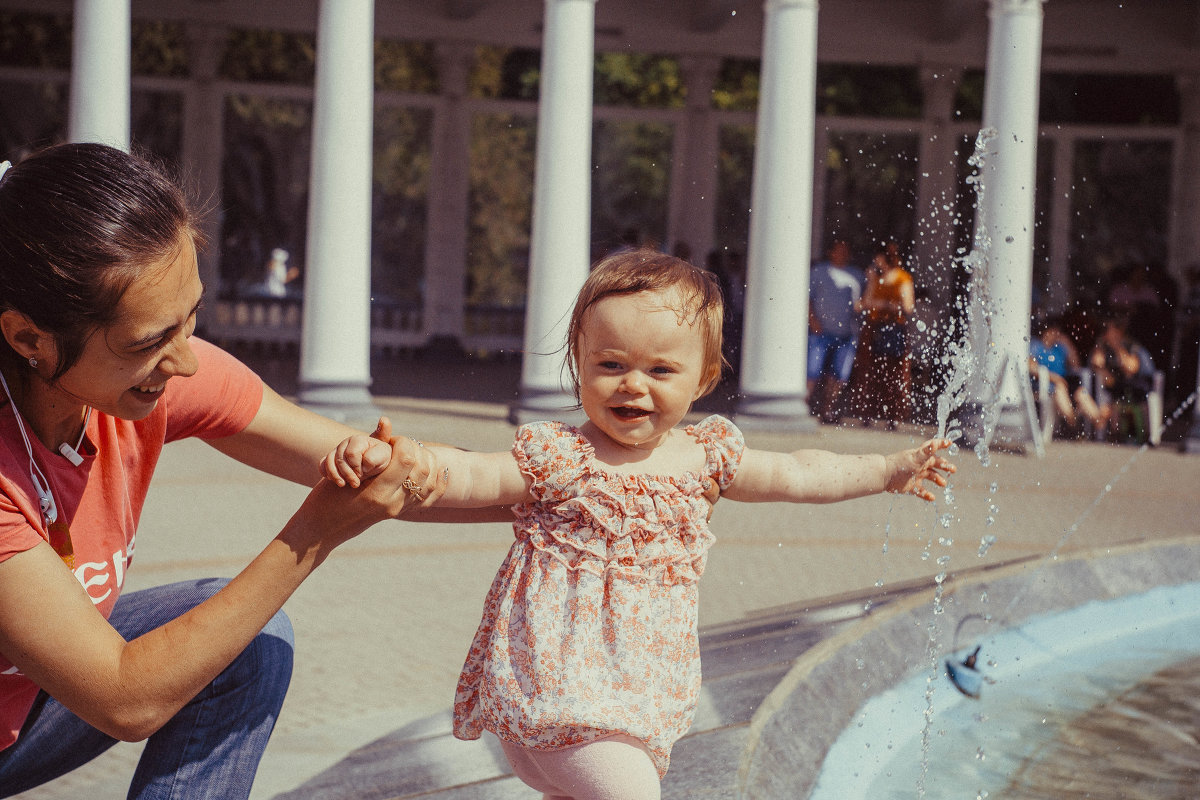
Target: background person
(1125,371)
(834,289)
(881,378)
(1053,349)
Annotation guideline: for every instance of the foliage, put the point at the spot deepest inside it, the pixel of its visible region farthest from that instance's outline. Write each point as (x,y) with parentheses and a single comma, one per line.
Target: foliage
(638,80)
(630,183)
(406,67)
(737,85)
(399,210)
(866,90)
(35,40)
(509,73)
(501,170)
(159,49)
(270,57)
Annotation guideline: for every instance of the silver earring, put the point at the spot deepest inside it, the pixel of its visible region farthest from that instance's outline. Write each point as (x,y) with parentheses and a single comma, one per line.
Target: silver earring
(33,361)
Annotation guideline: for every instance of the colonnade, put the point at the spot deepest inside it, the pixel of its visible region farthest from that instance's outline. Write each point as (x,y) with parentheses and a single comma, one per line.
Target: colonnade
(336,336)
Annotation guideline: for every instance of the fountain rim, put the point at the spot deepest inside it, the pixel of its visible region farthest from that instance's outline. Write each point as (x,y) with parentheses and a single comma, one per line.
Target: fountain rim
(808,710)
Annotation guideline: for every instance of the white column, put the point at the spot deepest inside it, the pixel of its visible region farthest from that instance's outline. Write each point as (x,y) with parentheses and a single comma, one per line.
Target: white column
(559,252)
(694,175)
(1005,217)
(937,185)
(203,137)
(99,106)
(775,341)
(449,187)
(335,345)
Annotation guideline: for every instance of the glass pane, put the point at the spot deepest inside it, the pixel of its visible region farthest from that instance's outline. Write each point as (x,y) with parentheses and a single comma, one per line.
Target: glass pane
(862,90)
(270,56)
(157,123)
(35,40)
(1119,209)
(736,88)
(399,205)
(631,179)
(159,49)
(265,198)
(735,170)
(638,80)
(870,190)
(32,116)
(405,67)
(501,203)
(1042,199)
(505,72)
(1109,99)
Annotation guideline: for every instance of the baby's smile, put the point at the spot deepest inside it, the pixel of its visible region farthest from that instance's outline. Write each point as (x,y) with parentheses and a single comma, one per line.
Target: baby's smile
(627,413)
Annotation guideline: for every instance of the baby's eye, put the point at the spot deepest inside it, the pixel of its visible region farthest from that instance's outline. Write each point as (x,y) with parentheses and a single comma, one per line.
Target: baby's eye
(662,371)
(610,365)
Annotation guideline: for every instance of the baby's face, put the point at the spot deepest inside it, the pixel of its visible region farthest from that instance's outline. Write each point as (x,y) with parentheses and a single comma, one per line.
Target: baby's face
(641,363)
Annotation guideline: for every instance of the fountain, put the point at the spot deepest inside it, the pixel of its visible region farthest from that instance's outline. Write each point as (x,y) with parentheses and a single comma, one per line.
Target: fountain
(889,709)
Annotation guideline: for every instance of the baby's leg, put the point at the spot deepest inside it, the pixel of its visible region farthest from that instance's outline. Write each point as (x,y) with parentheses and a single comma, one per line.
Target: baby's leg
(615,768)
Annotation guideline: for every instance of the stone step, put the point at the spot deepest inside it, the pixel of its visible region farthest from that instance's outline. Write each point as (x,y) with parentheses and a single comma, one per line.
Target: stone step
(742,662)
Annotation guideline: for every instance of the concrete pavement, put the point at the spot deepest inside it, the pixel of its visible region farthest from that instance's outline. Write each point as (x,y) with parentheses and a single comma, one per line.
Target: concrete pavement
(383,627)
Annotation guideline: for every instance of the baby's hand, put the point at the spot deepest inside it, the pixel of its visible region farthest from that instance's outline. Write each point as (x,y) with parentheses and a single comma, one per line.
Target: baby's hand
(358,457)
(909,469)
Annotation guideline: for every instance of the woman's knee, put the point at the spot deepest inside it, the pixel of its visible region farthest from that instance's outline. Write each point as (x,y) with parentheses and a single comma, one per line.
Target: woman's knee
(267,661)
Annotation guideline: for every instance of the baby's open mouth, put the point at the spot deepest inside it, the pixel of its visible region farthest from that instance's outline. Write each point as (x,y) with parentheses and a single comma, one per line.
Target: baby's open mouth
(626,413)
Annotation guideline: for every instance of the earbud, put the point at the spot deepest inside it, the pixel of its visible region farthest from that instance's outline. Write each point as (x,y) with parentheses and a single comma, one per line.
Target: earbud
(45,500)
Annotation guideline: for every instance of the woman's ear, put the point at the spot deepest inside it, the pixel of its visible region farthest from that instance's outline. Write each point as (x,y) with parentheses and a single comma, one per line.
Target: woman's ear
(25,337)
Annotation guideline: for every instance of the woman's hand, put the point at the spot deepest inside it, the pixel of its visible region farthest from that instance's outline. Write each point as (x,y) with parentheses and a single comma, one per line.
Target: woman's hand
(413,465)
(909,469)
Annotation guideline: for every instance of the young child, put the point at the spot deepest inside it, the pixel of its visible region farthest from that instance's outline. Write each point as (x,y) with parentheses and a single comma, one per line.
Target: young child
(586,663)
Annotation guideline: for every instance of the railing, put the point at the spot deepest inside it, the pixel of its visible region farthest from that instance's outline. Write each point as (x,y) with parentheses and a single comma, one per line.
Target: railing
(395,327)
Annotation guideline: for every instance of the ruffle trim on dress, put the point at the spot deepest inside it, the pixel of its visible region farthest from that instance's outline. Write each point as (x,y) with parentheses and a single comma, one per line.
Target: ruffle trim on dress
(673,564)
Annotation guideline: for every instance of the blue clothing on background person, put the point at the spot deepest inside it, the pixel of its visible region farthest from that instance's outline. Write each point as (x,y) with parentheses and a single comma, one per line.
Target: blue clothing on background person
(1052,357)
(833,289)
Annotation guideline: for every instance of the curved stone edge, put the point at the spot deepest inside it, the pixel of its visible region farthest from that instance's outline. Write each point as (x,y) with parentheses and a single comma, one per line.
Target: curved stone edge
(796,724)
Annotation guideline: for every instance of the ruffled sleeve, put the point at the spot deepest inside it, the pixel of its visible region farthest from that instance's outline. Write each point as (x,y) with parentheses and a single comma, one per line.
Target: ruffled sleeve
(723,443)
(551,454)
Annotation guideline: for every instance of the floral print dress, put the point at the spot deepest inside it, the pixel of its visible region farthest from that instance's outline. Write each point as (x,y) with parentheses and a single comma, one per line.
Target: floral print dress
(589,628)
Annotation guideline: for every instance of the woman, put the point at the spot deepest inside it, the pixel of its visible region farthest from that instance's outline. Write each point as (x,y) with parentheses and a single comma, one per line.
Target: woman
(882,373)
(99,293)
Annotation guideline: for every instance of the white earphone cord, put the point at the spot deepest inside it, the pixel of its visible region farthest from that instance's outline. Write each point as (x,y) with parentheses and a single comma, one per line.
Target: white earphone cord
(49,509)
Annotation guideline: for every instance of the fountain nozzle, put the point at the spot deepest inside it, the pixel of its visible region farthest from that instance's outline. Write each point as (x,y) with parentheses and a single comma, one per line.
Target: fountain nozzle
(964,676)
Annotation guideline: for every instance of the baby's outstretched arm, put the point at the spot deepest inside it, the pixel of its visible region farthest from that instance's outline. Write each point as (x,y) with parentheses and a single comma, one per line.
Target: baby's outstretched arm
(818,476)
(473,480)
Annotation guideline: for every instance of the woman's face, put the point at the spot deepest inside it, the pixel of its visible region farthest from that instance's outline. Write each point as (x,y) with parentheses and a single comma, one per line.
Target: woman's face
(125,366)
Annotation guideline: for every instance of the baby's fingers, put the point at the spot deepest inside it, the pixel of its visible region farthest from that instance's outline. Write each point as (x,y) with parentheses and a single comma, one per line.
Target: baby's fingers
(335,468)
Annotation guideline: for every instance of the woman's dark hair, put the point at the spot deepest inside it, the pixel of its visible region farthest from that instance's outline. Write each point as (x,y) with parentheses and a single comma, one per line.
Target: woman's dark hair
(78,224)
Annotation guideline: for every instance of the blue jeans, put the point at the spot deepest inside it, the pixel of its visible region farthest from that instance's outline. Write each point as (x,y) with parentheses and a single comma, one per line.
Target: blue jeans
(830,355)
(210,749)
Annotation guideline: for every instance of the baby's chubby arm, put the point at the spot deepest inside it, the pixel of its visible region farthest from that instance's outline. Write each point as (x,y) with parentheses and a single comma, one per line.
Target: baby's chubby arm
(473,480)
(818,476)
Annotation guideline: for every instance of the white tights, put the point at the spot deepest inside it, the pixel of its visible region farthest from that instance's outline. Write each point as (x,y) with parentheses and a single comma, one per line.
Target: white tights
(614,768)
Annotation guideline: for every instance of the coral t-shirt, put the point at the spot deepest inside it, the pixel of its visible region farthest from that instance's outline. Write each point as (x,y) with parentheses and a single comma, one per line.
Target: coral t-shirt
(101,499)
